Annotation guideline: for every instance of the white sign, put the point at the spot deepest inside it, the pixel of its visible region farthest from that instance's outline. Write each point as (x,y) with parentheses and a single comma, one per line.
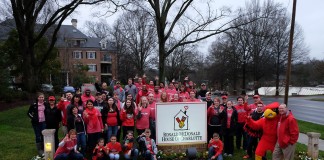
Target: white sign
(178,123)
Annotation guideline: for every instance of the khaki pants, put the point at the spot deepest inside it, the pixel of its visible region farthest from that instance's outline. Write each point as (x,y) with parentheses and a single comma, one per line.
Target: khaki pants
(287,153)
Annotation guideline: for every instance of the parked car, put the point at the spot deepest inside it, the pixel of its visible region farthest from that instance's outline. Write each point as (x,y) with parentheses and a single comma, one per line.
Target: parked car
(89,86)
(47,88)
(217,93)
(68,89)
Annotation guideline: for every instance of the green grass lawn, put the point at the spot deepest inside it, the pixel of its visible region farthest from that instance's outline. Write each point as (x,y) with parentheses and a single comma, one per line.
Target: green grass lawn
(17,139)
(305,127)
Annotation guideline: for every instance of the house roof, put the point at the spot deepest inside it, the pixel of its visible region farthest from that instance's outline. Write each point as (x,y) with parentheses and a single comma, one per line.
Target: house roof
(66,32)
(6,26)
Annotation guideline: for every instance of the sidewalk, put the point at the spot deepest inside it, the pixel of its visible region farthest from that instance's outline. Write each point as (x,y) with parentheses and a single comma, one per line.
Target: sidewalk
(303,138)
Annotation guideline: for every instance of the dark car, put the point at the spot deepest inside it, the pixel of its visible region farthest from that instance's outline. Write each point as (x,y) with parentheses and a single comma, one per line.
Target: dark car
(47,88)
(69,89)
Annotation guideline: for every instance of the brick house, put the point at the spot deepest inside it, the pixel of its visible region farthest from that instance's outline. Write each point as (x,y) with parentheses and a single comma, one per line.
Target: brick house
(75,49)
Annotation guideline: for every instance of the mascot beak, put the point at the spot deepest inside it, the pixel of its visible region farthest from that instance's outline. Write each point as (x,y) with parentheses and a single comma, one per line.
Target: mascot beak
(269,113)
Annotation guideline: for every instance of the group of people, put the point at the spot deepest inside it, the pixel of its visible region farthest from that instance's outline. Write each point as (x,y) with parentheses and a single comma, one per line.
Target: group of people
(103,125)
(226,120)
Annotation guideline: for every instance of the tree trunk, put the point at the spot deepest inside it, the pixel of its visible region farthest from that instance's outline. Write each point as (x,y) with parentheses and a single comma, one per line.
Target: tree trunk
(243,79)
(29,75)
(161,64)
(277,75)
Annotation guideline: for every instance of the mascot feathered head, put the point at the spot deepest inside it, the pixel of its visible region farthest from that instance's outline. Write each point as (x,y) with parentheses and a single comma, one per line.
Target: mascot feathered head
(271,110)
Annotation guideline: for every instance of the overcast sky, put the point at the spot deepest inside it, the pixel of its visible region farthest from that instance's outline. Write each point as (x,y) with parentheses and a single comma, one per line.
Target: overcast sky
(309,14)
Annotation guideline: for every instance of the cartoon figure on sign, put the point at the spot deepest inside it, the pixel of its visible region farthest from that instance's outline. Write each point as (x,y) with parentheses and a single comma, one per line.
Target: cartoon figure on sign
(181,124)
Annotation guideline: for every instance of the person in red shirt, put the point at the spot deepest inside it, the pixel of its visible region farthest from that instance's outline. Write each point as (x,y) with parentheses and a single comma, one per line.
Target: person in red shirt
(171,90)
(183,94)
(62,105)
(142,116)
(141,93)
(100,151)
(164,97)
(68,148)
(156,94)
(215,148)
(251,107)
(92,119)
(240,133)
(151,105)
(140,82)
(127,117)
(114,148)
(193,97)
(176,98)
(111,118)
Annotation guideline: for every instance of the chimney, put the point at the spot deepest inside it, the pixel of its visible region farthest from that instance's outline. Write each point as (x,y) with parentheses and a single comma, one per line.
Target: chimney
(74,22)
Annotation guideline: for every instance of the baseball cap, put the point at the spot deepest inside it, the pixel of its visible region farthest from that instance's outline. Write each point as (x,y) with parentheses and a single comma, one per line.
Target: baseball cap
(51,98)
(224,97)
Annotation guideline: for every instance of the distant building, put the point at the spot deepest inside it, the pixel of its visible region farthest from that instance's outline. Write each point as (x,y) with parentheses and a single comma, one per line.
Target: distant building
(76,49)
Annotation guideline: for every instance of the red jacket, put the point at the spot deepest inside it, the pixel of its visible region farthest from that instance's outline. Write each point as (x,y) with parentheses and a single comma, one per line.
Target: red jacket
(93,121)
(287,131)
(218,147)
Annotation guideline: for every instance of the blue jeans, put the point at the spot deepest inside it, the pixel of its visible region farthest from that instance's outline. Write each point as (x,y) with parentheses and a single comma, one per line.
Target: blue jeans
(82,142)
(113,156)
(38,128)
(112,130)
(147,155)
(71,155)
(211,152)
(134,154)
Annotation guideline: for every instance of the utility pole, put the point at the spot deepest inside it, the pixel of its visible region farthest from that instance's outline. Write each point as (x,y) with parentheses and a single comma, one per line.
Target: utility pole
(291,39)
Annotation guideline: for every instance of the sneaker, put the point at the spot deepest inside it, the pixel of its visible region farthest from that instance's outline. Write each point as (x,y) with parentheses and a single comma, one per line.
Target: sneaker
(230,155)
(225,154)
(246,157)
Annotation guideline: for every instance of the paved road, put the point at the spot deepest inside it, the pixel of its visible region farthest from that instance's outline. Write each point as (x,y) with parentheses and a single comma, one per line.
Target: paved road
(302,107)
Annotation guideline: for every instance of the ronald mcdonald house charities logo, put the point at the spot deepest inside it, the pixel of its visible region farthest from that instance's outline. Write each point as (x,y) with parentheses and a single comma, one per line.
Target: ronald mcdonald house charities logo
(181,119)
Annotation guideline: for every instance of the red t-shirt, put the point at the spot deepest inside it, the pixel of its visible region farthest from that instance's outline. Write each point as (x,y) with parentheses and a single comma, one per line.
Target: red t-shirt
(229,116)
(112,119)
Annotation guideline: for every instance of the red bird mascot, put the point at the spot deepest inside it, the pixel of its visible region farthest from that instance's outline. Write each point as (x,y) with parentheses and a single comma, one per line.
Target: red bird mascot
(265,127)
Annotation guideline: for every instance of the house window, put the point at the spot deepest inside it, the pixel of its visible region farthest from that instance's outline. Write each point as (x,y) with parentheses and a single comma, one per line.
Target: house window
(91,55)
(77,55)
(92,67)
